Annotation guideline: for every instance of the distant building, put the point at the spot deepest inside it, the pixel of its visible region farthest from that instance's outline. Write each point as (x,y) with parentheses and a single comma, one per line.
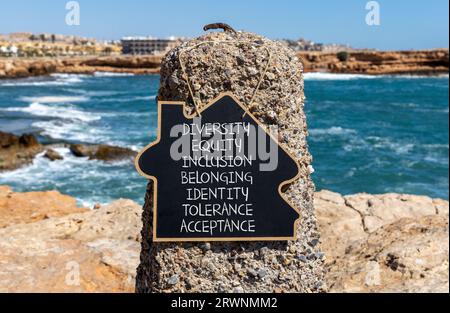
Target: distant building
(308,45)
(147,45)
(8,51)
(302,45)
(334,48)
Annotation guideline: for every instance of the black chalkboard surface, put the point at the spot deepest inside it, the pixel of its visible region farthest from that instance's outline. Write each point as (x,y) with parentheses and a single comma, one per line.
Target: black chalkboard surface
(218,176)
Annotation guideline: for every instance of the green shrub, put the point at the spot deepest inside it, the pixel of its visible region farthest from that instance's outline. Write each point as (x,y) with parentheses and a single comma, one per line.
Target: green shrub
(342,56)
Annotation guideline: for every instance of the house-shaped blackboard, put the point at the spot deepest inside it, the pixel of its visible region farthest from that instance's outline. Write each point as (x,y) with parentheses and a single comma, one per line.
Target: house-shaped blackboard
(201,196)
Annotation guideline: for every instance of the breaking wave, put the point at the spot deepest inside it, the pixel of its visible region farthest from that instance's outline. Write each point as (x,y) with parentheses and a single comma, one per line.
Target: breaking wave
(112,74)
(60,175)
(333,76)
(55,99)
(53,80)
(331,131)
(69,112)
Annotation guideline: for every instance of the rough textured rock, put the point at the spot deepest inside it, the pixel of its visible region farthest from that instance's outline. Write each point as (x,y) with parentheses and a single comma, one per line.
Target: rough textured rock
(409,255)
(16,151)
(384,243)
(424,62)
(23,67)
(405,255)
(102,152)
(29,207)
(94,251)
(294,266)
(133,62)
(339,224)
(52,155)
(377,211)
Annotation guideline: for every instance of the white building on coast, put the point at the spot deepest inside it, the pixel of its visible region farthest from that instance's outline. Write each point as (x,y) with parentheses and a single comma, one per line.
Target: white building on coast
(148,45)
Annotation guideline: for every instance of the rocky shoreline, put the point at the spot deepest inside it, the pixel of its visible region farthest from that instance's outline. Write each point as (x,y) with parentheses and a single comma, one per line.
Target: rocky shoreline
(425,62)
(370,243)
(18,151)
(421,62)
(12,68)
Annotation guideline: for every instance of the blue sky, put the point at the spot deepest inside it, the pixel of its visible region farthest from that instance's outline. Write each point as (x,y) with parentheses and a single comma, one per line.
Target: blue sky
(405,24)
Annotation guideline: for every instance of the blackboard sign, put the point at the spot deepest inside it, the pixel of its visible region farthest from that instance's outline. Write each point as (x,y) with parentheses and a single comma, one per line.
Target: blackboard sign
(218,176)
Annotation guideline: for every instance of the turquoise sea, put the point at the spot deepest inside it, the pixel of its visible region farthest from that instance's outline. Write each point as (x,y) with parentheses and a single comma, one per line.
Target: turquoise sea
(367,134)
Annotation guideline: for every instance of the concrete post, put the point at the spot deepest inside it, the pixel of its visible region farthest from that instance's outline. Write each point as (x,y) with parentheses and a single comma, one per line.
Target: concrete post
(236,65)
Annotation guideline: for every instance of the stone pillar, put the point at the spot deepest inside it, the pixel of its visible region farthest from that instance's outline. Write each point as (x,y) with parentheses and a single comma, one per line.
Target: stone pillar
(236,66)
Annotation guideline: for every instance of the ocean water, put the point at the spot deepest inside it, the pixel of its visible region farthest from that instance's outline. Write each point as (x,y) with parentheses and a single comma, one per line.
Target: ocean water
(367,134)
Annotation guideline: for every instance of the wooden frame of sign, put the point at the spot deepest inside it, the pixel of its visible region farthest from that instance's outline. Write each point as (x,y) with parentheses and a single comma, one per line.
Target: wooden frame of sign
(139,163)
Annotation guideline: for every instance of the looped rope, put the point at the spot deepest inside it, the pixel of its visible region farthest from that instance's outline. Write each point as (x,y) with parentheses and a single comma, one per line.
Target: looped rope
(186,77)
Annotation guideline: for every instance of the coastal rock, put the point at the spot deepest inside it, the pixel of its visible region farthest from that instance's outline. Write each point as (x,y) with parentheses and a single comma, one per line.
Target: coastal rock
(5,191)
(39,68)
(377,211)
(98,250)
(18,71)
(81,151)
(339,224)
(102,152)
(409,255)
(425,62)
(94,251)
(222,67)
(29,207)
(115,64)
(52,155)
(384,243)
(16,151)
(421,62)
(29,67)
(128,62)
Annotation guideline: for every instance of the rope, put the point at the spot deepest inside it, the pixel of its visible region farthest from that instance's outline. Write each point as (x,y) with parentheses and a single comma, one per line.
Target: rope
(260,80)
(186,76)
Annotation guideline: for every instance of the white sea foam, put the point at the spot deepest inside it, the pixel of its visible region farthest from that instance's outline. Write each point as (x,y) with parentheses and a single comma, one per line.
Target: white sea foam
(67,112)
(108,95)
(153,97)
(112,74)
(388,143)
(337,76)
(26,83)
(129,99)
(70,123)
(93,93)
(436,146)
(333,76)
(68,76)
(54,80)
(79,131)
(412,76)
(72,130)
(55,99)
(41,168)
(333,131)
